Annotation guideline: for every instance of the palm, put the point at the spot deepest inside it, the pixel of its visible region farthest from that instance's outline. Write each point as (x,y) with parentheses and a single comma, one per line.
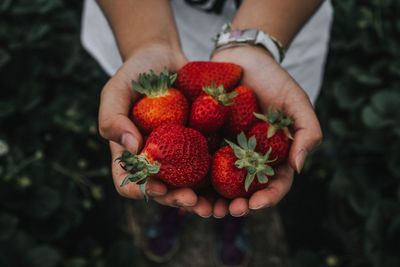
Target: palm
(273,87)
(116,99)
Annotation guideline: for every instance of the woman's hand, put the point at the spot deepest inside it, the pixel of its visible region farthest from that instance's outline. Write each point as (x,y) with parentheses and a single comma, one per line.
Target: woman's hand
(115,126)
(273,87)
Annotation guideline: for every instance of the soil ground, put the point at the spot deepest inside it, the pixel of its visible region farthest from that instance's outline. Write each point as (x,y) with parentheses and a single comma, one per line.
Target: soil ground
(267,238)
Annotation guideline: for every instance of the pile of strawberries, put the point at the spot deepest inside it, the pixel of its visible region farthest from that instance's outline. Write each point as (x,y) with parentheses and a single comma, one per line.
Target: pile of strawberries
(200,125)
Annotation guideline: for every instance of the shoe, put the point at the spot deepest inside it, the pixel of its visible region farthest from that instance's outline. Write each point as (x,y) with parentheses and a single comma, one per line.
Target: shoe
(232,249)
(162,236)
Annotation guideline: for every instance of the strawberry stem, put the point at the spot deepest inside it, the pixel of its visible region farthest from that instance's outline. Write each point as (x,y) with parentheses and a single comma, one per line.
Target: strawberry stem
(255,163)
(138,167)
(153,85)
(219,94)
(276,120)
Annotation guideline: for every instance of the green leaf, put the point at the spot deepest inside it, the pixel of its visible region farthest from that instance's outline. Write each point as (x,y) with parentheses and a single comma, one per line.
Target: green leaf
(142,188)
(249,179)
(252,143)
(372,119)
(272,116)
(386,102)
(269,171)
(241,138)
(262,178)
(271,131)
(126,180)
(260,116)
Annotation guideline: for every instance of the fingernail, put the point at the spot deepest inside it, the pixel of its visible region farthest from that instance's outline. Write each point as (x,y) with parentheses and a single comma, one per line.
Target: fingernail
(240,215)
(204,216)
(259,206)
(129,142)
(300,159)
(183,204)
(155,193)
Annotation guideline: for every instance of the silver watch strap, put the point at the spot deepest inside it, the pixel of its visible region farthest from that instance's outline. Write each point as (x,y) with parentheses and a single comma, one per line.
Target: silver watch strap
(230,38)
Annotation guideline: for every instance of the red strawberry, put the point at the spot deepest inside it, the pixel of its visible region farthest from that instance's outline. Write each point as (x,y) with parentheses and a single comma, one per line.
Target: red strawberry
(161,103)
(272,132)
(241,116)
(197,74)
(234,169)
(174,154)
(210,110)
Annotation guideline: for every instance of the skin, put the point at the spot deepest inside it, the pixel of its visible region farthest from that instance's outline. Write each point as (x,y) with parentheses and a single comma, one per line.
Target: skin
(159,47)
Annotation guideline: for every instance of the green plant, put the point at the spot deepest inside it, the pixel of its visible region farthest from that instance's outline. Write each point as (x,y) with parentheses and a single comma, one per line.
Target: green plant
(358,165)
(54,176)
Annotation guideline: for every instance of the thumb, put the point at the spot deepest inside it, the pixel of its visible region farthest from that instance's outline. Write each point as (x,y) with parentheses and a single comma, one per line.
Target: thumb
(114,123)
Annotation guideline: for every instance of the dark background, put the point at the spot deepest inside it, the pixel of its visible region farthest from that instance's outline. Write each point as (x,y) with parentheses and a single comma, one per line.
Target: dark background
(58,206)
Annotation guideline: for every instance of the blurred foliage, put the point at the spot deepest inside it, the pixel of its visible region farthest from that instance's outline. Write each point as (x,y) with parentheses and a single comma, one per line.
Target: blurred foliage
(356,171)
(58,206)
(57,203)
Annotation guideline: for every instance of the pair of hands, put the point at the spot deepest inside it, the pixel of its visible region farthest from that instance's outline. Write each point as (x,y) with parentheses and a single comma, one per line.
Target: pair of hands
(272,85)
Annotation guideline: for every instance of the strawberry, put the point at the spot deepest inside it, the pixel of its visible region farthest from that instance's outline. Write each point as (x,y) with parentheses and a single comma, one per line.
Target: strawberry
(174,154)
(235,167)
(210,110)
(241,116)
(195,75)
(272,132)
(161,103)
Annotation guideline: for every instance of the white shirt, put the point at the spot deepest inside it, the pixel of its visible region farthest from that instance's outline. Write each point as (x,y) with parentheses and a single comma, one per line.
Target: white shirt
(305,58)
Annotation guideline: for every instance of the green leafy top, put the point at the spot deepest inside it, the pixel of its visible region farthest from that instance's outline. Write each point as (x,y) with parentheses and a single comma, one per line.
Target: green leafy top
(138,167)
(255,163)
(153,85)
(219,94)
(276,120)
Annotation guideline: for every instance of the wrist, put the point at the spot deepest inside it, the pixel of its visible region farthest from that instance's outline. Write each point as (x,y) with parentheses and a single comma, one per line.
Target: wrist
(233,37)
(154,52)
(161,46)
(236,52)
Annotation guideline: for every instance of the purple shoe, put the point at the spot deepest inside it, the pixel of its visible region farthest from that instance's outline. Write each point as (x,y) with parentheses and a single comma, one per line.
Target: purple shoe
(163,235)
(232,247)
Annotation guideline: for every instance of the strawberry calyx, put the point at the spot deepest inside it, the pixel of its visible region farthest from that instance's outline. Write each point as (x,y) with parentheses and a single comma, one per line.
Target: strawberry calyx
(276,120)
(138,167)
(153,85)
(255,163)
(219,94)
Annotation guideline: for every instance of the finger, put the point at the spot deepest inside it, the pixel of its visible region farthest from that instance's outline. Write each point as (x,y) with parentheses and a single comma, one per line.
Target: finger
(182,197)
(307,130)
(114,123)
(277,188)
(221,208)
(203,208)
(153,187)
(239,207)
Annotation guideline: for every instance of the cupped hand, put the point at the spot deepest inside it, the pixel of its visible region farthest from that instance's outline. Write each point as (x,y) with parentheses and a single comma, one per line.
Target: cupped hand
(115,126)
(273,87)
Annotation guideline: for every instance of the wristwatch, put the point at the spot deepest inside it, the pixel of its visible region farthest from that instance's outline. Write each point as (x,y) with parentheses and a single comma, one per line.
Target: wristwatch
(229,37)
